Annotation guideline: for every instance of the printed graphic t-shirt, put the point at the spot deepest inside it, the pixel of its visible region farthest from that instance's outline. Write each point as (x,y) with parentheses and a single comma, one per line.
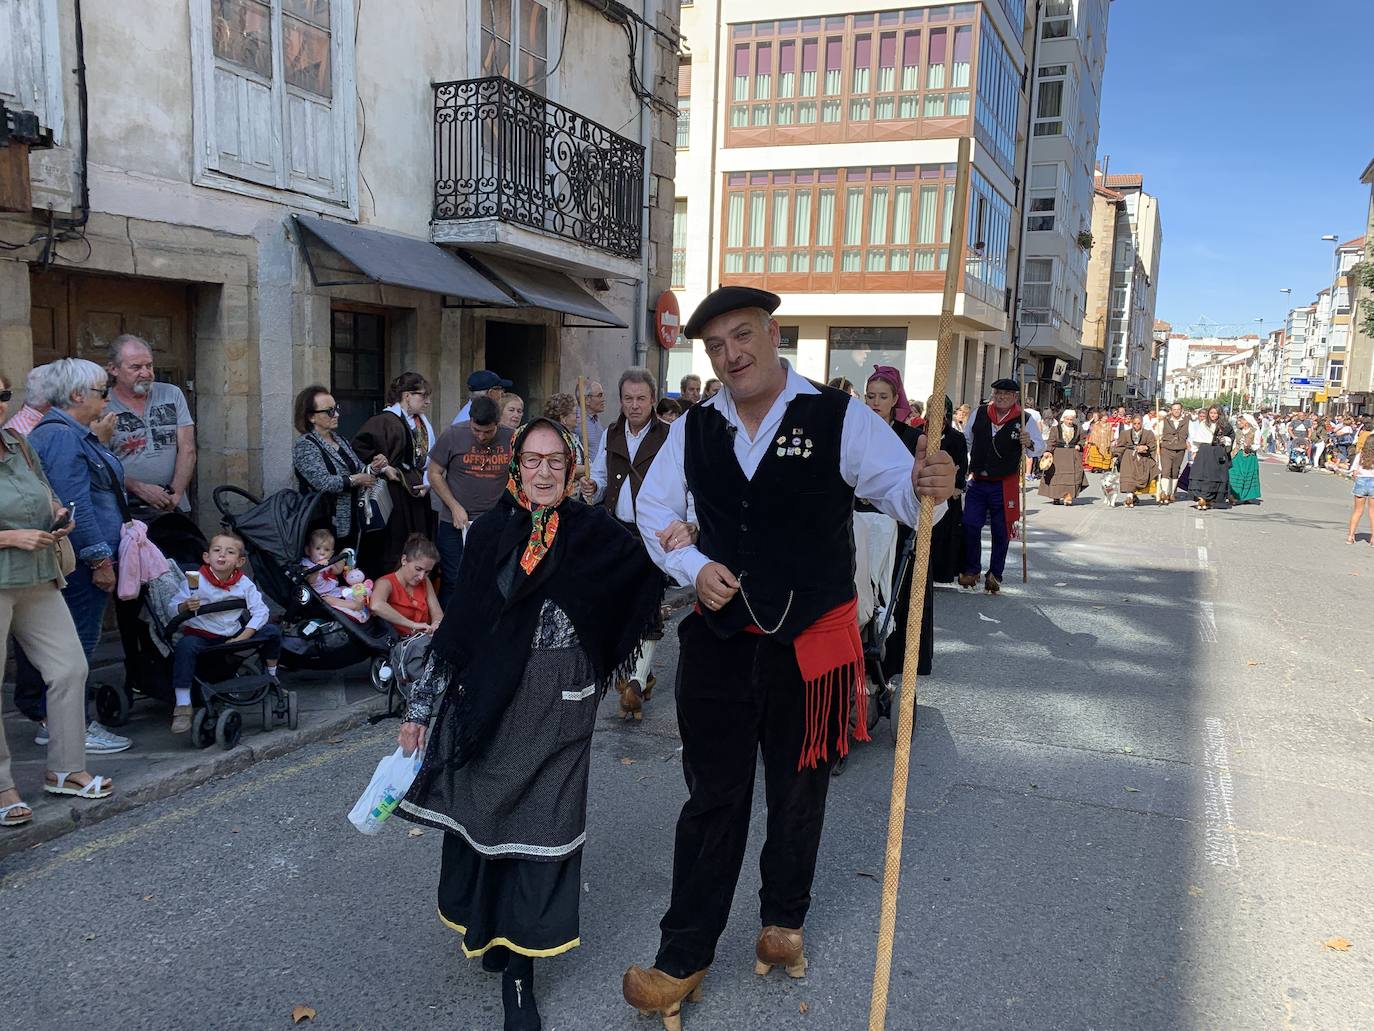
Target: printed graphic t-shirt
(476,473)
(147,443)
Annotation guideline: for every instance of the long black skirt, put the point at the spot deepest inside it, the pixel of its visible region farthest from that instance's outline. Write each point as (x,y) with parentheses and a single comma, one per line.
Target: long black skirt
(529,907)
(894,652)
(947,544)
(1210,474)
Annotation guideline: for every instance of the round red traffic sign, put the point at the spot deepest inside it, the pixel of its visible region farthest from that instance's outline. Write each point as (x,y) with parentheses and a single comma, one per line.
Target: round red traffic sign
(667,319)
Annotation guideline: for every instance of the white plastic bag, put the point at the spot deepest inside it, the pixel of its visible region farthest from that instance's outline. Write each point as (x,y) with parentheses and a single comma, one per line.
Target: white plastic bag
(385,790)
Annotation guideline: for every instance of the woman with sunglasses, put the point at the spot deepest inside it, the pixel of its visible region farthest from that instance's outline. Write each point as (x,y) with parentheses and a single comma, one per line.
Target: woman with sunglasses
(88,480)
(325,462)
(553,598)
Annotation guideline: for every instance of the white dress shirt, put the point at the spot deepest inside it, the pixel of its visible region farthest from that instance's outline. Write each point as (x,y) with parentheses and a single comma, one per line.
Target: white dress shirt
(873,460)
(1032,430)
(624,502)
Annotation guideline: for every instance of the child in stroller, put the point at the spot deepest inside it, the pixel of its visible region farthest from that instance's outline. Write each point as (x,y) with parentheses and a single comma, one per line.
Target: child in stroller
(327,576)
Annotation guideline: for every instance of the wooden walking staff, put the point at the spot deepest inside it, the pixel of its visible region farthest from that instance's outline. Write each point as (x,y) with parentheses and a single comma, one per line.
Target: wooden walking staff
(906,707)
(1021,376)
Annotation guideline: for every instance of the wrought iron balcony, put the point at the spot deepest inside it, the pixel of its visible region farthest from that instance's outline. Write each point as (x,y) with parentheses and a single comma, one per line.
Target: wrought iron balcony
(502,151)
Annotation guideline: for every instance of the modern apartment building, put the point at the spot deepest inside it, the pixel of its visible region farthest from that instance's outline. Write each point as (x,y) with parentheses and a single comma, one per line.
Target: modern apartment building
(817,158)
(1299,349)
(1069,60)
(284,192)
(1119,360)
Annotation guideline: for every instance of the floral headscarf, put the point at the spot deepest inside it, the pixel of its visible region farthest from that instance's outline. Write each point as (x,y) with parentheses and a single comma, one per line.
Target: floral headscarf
(901,411)
(544,518)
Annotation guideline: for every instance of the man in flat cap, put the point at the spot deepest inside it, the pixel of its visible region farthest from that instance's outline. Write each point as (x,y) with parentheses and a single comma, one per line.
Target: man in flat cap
(482,383)
(770,658)
(998,438)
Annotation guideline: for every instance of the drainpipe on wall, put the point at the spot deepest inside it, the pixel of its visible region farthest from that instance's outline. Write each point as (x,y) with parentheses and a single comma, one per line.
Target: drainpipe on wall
(647,114)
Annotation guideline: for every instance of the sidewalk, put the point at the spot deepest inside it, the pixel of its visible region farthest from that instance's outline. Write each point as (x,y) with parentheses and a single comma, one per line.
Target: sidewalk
(160,765)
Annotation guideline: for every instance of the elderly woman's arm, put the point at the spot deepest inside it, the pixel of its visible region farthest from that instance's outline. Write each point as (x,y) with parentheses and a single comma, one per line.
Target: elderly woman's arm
(69,475)
(436,677)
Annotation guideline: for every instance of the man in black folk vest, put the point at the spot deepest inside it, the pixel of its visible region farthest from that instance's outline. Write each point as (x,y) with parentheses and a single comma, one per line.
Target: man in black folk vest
(617,473)
(993,495)
(771,658)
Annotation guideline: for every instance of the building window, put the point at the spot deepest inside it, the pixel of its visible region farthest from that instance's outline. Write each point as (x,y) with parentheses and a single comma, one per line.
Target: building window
(31,71)
(684,105)
(1038,292)
(267,74)
(1335,374)
(1049,107)
(1057,22)
(1041,217)
(988,240)
(839,228)
(999,97)
(844,74)
(357,374)
(515,41)
(855,350)
(679,244)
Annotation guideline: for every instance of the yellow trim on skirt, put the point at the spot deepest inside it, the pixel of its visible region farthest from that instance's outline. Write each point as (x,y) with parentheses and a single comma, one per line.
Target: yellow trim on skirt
(532,953)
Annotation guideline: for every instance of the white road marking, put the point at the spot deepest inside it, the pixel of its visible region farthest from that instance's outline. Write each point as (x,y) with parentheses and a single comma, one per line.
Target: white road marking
(1207,622)
(1199,523)
(1202,557)
(1218,843)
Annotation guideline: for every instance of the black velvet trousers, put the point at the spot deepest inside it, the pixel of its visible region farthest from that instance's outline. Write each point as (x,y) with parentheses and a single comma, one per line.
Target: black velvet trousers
(735,698)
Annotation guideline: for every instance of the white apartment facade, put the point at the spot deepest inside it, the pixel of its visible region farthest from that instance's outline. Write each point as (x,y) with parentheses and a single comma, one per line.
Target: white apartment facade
(1299,331)
(817,158)
(1070,57)
(284,192)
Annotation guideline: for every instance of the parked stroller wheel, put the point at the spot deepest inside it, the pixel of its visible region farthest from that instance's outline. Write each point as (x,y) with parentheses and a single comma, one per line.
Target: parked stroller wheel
(202,729)
(382,674)
(269,714)
(112,705)
(228,728)
(293,713)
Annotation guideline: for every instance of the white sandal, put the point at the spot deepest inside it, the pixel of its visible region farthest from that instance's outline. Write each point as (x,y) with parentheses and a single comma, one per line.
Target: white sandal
(96,787)
(6,820)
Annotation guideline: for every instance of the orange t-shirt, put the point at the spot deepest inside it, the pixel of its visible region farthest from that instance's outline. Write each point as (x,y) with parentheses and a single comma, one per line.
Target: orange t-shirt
(414,605)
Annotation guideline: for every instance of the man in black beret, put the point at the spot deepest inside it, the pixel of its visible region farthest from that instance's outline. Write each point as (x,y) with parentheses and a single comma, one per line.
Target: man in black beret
(996,445)
(771,658)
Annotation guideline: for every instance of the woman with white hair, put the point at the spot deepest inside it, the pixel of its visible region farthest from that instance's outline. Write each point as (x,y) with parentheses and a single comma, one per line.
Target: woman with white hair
(1061,478)
(35,388)
(88,480)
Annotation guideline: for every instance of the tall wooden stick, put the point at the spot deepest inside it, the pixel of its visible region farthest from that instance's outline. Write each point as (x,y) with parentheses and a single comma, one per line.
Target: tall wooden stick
(1025,566)
(906,708)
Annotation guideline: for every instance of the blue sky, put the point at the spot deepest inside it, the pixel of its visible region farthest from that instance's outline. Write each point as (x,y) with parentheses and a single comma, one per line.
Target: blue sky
(1251,121)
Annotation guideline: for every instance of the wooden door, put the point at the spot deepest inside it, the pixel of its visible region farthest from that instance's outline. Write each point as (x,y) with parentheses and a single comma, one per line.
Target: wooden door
(77,315)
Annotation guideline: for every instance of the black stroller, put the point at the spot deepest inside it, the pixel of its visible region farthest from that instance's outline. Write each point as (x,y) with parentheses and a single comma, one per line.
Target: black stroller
(229,677)
(314,635)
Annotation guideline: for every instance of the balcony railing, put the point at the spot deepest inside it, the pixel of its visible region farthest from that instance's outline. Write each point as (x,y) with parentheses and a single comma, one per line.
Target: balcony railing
(502,151)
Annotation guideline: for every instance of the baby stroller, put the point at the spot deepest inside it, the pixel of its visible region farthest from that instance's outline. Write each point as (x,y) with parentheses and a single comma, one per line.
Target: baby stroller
(226,680)
(1298,459)
(314,634)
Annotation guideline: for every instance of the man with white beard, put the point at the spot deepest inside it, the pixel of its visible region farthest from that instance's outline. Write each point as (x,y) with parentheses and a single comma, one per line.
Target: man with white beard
(154,436)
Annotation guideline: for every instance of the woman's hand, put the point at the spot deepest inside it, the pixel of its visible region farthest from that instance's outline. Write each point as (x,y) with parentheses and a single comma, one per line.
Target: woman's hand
(26,540)
(411,737)
(362,480)
(103,576)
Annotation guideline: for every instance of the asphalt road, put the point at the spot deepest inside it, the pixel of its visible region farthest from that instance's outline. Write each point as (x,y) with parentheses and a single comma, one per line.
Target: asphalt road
(1140,798)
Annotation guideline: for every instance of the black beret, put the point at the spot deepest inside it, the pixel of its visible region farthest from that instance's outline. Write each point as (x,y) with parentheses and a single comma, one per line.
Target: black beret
(726,299)
(1006,384)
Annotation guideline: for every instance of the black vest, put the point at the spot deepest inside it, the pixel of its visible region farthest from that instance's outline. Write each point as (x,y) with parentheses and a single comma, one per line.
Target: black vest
(995,455)
(787,534)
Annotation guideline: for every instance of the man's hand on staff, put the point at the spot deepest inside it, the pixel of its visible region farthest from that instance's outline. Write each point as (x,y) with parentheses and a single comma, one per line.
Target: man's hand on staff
(677,534)
(932,476)
(716,585)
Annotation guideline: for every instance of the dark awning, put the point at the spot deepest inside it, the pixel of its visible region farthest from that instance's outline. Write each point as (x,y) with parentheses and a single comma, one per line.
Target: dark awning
(545,288)
(377,256)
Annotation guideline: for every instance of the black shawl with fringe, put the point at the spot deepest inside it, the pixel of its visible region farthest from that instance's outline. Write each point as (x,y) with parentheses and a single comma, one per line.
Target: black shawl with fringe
(596,571)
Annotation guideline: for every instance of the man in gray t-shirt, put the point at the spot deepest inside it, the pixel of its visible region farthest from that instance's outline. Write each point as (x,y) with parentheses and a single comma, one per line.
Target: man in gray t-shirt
(154,433)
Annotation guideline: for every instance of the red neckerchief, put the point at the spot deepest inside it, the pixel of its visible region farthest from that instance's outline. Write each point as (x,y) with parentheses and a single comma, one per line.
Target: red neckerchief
(215,581)
(997,423)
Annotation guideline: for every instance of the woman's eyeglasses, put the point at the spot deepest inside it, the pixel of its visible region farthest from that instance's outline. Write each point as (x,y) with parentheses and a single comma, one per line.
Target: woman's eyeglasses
(334,410)
(5,395)
(533,460)
(104,392)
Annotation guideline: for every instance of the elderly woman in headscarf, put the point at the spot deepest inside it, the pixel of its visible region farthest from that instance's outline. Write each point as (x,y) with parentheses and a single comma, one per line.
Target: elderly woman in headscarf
(1244,475)
(1062,477)
(552,601)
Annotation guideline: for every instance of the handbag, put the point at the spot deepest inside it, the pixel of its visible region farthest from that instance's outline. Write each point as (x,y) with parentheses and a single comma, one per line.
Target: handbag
(1047,461)
(66,554)
(376,506)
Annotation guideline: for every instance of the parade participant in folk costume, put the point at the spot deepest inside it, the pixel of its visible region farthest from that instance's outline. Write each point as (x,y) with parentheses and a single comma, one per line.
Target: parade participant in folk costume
(552,601)
(1173,451)
(1244,474)
(617,473)
(996,446)
(1063,478)
(1101,433)
(1135,450)
(1210,477)
(770,658)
